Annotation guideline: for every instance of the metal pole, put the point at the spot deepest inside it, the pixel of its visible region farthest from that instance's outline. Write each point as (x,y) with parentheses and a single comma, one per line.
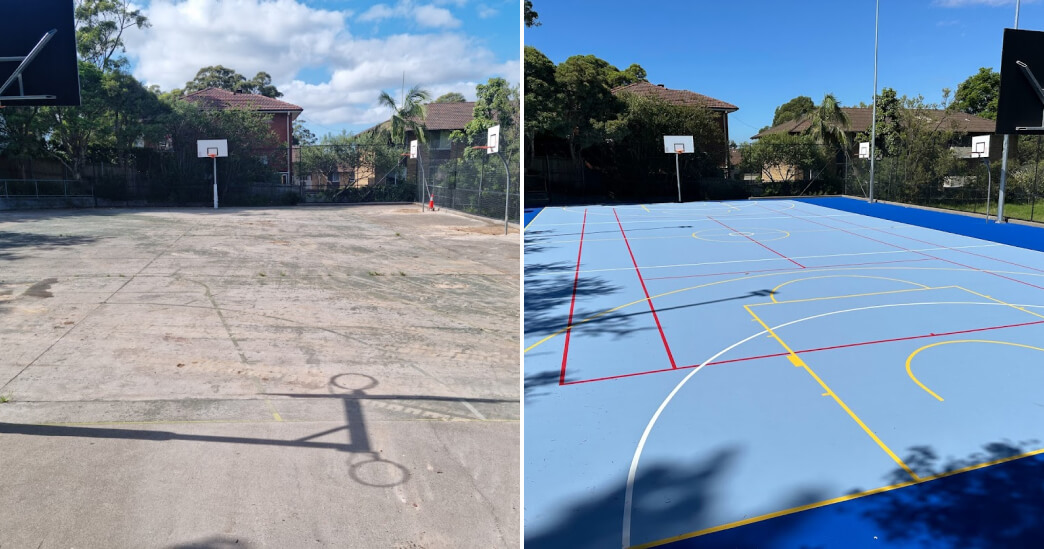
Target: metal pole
(678,174)
(507,188)
(215,181)
(873,122)
(1004,153)
(989,188)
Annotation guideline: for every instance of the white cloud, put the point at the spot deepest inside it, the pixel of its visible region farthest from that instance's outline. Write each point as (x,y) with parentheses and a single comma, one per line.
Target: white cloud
(426,15)
(485,12)
(431,16)
(282,37)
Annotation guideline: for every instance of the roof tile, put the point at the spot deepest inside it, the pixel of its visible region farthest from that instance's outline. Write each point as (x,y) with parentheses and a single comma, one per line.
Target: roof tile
(224,99)
(683,98)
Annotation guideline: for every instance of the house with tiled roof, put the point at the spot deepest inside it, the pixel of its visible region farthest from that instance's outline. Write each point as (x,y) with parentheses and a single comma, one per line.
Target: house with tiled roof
(860,119)
(281,122)
(684,98)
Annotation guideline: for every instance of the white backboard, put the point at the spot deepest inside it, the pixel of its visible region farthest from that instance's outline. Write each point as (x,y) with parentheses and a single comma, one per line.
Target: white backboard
(413,149)
(206,147)
(980,146)
(493,140)
(864,150)
(671,144)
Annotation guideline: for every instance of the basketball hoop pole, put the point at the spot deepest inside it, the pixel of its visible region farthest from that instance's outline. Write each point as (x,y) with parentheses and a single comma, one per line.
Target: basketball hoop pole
(214,158)
(1004,154)
(677,173)
(507,187)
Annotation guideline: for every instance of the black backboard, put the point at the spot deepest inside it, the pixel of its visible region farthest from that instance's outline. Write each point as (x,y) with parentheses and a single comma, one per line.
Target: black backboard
(52,71)
(1019,106)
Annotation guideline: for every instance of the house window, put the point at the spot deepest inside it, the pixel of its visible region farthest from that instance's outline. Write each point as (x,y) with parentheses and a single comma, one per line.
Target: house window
(441,140)
(335,177)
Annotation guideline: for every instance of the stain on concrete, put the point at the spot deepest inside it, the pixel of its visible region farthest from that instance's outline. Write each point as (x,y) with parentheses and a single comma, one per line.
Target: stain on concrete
(42,288)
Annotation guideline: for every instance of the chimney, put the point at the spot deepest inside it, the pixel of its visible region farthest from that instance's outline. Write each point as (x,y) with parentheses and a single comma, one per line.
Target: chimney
(660,85)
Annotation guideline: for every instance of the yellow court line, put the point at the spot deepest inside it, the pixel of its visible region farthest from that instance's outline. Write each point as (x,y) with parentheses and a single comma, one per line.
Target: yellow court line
(1001,302)
(774,290)
(796,360)
(646,209)
(832,501)
(561,331)
(909,359)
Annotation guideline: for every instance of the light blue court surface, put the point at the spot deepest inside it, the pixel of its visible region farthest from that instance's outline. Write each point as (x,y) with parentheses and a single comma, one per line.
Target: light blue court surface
(778,374)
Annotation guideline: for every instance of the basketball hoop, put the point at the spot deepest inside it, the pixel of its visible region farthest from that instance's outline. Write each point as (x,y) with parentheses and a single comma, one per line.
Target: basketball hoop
(679,148)
(212,155)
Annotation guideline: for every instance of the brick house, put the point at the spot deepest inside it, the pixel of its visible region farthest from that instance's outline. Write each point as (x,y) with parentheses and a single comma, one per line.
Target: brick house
(860,119)
(281,121)
(685,98)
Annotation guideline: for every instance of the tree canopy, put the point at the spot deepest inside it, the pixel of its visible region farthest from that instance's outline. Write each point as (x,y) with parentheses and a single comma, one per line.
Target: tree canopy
(793,109)
(530,15)
(221,77)
(978,94)
(408,115)
(99,30)
(450,97)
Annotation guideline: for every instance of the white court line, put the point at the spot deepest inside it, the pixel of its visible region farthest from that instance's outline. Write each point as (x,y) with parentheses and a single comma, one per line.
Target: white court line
(644,267)
(629,493)
(691,220)
(537,242)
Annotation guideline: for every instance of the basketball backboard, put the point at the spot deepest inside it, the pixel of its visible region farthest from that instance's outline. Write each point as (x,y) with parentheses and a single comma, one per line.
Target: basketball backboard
(1020,106)
(864,150)
(38,53)
(980,146)
(493,140)
(678,144)
(217,148)
(413,149)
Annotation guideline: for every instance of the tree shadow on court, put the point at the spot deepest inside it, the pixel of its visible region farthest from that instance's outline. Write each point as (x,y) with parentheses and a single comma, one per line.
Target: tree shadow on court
(533,384)
(670,498)
(1001,505)
(215,542)
(11,243)
(548,297)
(370,469)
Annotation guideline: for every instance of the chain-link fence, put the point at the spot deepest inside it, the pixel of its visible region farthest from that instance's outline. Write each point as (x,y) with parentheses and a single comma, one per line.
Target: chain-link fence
(468,180)
(955,182)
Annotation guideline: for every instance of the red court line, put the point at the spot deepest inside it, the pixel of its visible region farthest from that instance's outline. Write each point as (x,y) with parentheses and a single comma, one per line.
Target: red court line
(755,241)
(902,248)
(948,260)
(572,302)
(814,350)
(647,298)
(813,267)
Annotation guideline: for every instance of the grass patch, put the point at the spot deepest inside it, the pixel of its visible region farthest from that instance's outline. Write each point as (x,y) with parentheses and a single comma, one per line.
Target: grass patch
(375,273)
(4,398)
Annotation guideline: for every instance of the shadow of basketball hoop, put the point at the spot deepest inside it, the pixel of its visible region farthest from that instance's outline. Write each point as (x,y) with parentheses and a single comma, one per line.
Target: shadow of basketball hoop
(373,470)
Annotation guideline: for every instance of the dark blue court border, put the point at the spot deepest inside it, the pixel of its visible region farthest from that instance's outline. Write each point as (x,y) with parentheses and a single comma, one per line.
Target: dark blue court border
(1012,234)
(997,506)
(528,215)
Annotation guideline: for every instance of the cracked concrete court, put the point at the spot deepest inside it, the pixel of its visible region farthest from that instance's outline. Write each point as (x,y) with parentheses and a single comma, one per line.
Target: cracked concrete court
(280,377)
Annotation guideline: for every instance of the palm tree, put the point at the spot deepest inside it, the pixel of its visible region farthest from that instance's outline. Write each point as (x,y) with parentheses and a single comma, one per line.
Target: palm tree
(407,116)
(827,123)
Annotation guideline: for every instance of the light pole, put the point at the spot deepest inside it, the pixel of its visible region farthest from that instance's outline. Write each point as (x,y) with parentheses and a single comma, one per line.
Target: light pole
(1004,153)
(873,120)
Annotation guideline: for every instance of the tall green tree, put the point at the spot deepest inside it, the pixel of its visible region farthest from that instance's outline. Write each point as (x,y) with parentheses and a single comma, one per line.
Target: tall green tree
(793,109)
(74,130)
(221,77)
(781,157)
(978,94)
(588,109)
(828,123)
(22,131)
(407,115)
(542,97)
(530,15)
(451,97)
(100,25)
(495,104)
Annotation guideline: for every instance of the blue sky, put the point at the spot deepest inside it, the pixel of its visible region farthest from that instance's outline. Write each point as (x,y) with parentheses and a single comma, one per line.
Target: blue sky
(331,57)
(760,54)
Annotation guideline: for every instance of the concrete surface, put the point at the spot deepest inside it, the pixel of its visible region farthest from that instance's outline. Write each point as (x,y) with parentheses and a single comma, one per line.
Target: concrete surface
(279,377)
